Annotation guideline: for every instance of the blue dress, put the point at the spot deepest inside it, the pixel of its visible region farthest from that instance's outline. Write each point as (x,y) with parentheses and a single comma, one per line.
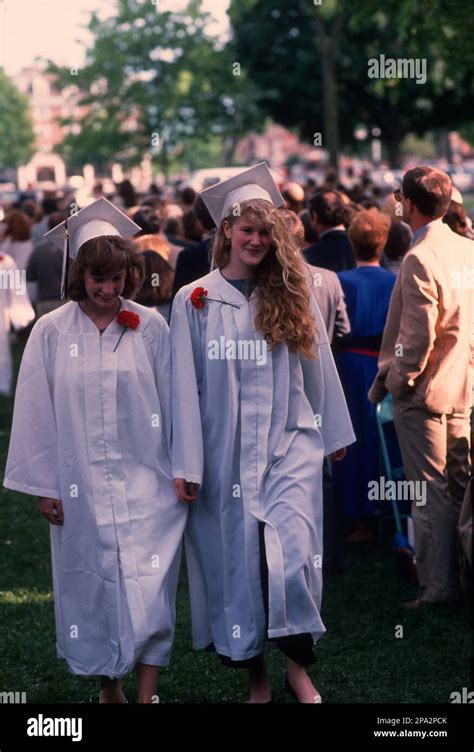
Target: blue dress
(367,291)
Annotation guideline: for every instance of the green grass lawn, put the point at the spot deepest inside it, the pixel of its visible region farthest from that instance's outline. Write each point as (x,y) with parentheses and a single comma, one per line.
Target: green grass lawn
(359,660)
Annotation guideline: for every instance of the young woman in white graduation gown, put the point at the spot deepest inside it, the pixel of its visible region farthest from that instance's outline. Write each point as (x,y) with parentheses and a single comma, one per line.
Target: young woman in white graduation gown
(91,438)
(257,404)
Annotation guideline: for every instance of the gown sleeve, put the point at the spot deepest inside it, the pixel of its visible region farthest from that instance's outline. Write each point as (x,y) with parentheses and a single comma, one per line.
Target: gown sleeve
(157,334)
(342,326)
(324,391)
(187,453)
(32,463)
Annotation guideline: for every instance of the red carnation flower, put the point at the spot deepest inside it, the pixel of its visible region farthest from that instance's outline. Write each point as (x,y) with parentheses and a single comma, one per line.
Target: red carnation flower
(198,297)
(127,320)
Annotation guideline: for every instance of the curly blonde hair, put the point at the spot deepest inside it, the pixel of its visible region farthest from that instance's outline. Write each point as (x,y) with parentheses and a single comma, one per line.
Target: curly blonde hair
(284,311)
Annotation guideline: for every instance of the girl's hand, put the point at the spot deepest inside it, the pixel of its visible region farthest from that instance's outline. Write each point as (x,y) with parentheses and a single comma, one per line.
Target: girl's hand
(185,491)
(52,509)
(338,455)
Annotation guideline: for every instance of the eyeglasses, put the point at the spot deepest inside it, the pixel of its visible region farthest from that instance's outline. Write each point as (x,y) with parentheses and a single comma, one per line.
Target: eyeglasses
(398,194)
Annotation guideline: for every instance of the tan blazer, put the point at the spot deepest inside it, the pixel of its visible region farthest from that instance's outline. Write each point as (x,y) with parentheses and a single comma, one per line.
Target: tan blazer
(426,354)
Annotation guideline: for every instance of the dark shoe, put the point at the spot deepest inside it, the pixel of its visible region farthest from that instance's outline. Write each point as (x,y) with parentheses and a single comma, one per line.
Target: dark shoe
(292,693)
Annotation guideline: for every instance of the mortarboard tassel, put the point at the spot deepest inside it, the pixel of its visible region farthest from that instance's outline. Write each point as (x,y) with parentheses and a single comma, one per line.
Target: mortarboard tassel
(65,262)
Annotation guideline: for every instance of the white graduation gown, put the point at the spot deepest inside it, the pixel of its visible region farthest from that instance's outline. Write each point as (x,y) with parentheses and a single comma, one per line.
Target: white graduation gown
(247,432)
(92,427)
(16,312)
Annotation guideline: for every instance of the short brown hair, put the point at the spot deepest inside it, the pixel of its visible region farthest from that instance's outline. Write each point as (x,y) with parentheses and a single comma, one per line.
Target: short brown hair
(106,256)
(150,294)
(328,206)
(18,225)
(368,233)
(456,219)
(430,190)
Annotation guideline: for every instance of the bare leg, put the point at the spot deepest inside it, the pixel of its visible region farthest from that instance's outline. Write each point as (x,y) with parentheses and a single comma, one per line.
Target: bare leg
(301,683)
(147,682)
(260,689)
(111,691)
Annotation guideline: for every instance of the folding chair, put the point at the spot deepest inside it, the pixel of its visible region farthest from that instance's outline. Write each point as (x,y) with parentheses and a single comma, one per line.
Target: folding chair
(384,417)
(403,545)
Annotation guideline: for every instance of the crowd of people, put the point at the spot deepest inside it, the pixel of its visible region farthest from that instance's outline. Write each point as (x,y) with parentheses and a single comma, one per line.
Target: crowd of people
(354,295)
(176,233)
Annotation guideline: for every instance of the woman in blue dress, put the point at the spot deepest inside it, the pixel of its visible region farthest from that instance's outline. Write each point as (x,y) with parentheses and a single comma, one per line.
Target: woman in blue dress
(367,290)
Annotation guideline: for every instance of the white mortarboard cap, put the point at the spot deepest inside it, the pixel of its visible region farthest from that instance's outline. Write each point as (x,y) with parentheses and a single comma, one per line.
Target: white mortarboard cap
(98,219)
(256,182)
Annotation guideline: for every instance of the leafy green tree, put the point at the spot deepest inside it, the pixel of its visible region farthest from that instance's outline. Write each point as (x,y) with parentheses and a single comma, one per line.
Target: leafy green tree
(311,61)
(447,26)
(154,82)
(16,130)
(441,33)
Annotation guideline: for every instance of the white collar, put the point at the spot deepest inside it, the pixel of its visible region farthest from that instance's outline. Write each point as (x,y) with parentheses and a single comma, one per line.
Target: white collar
(331,229)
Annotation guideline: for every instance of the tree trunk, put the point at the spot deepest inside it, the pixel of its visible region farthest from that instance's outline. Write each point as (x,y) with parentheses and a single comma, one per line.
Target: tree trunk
(229,147)
(394,153)
(445,145)
(328,44)
(330,137)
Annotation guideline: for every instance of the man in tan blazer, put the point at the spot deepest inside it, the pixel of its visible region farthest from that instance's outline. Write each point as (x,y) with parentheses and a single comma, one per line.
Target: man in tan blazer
(426,364)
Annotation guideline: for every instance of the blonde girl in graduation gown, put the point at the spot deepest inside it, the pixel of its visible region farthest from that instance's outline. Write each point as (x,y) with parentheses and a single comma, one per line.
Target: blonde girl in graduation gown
(91,437)
(249,437)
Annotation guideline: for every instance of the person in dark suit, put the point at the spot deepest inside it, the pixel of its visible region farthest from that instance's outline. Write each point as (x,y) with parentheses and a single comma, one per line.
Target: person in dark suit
(332,250)
(194,261)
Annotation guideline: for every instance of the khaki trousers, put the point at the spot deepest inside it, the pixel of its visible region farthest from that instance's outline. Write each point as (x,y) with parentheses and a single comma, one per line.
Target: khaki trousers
(435,449)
